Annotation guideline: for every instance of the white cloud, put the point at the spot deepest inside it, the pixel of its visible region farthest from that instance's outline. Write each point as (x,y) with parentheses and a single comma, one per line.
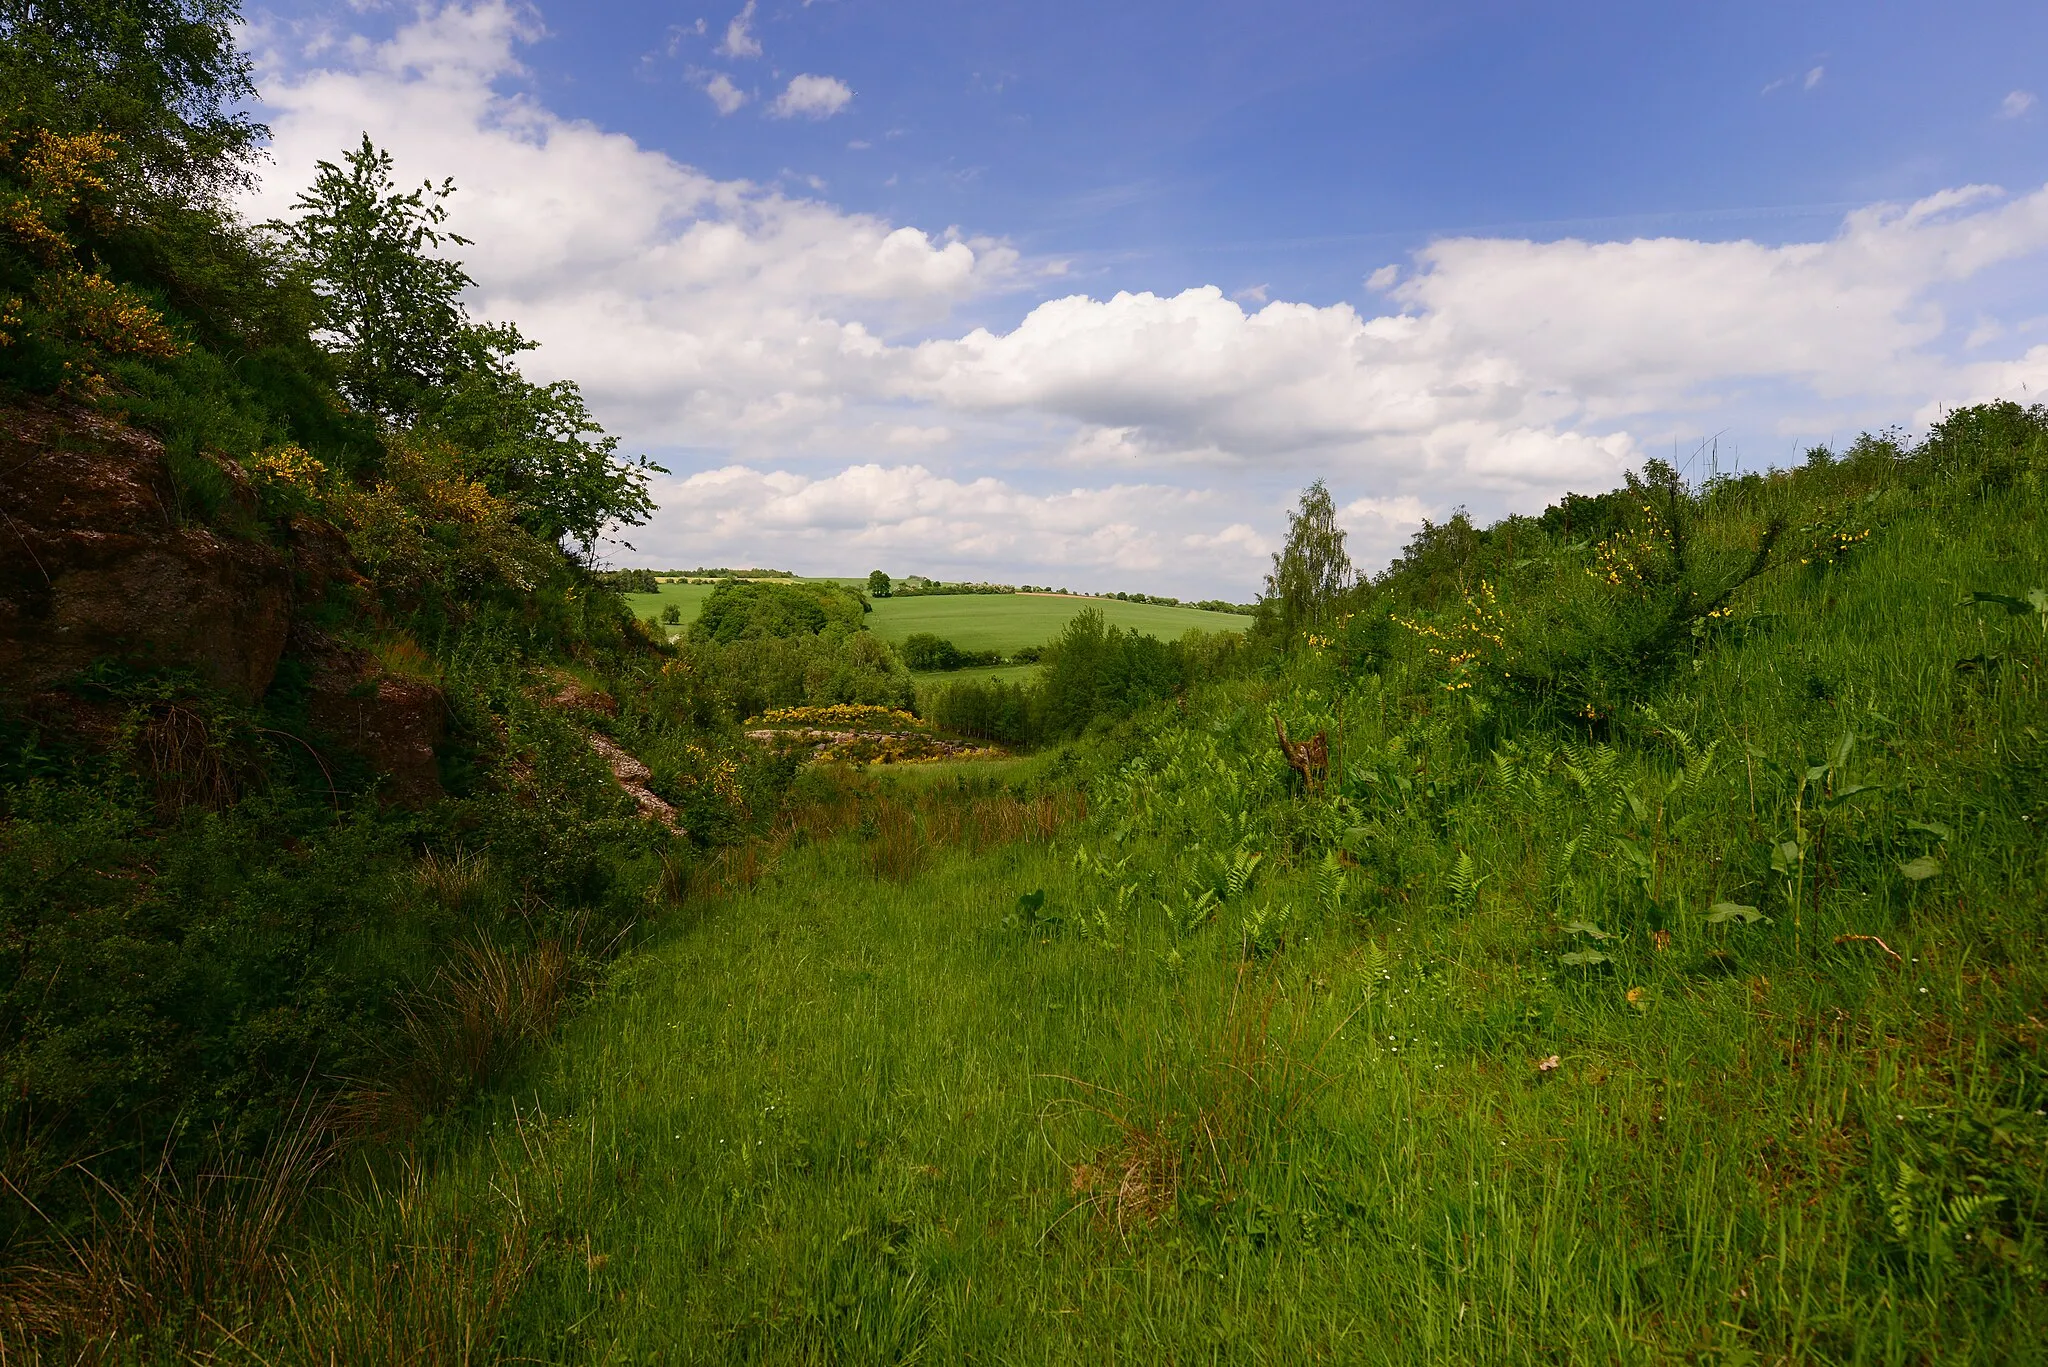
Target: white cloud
(1813,77)
(696,311)
(2015,104)
(739,35)
(812,97)
(924,522)
(724,94)
(728,324)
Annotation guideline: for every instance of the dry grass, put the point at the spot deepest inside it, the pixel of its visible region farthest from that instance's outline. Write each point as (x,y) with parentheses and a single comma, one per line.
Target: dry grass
(459,882)
(158,1248)
(486,1006)
(431,1290)
(185,762)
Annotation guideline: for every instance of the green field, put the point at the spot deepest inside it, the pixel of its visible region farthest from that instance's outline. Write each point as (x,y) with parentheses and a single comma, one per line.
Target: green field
(689,597)
(1012,621)
(1000,622)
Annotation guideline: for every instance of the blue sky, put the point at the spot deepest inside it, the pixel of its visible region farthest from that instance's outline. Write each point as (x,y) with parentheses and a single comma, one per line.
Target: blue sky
(1084,293)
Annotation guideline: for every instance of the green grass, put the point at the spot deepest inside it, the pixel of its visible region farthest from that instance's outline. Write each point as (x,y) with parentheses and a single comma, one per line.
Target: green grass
(1009,622)
(689,598)
(1002,622)
(1262,1077)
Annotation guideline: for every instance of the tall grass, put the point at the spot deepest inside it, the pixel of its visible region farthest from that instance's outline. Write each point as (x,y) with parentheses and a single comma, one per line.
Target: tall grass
(1707,1028)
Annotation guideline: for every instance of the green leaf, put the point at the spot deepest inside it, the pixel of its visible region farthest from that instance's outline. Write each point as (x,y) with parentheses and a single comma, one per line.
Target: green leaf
(2018,607)
(1586,958)
(1635,853)
(1816,773)
(1721,913)
(1921,869)
(1586,928)
(1933,828)
(1786,856)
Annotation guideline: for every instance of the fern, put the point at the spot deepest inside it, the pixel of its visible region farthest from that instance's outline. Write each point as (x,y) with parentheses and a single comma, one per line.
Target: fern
(1900,1202)
(1331,881)
(1372,964)
(1464,880)
(1237,878)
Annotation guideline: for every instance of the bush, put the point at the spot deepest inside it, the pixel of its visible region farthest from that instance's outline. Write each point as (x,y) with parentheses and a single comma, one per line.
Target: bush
(630,581)
(927,652)
(745,611)
(1095,670)
(987,709)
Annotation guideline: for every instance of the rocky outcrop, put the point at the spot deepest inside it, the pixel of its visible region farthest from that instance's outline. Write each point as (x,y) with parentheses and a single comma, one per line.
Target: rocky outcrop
(631,775)
(95,564)
(391,722)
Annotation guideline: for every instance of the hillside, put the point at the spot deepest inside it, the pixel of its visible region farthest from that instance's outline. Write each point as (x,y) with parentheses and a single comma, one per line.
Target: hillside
(1611,935)
(1662,1007)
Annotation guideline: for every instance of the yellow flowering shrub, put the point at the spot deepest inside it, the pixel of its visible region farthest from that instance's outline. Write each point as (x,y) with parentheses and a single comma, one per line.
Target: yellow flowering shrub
(1471,643)
(73,317)
(863,715)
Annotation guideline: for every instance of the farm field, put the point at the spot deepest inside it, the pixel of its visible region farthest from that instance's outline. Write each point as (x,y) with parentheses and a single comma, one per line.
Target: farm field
(1001,622)
(687,597)
(1012,621)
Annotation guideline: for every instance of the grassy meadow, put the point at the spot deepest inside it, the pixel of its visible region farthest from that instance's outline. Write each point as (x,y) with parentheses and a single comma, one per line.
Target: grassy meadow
(974,622)
(1710,1032)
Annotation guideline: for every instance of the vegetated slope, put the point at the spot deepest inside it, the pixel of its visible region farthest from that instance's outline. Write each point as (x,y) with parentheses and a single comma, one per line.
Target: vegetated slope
(1000,622)
(1596,1004)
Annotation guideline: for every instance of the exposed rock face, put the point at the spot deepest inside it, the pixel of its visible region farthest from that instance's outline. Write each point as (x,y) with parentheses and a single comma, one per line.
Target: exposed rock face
(392,723)
(631,775)
(93,564)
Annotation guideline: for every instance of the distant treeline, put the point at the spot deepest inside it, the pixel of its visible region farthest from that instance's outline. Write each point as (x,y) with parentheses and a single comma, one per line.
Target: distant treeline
(630,581)
(935,589)
(649,581)
(720,572)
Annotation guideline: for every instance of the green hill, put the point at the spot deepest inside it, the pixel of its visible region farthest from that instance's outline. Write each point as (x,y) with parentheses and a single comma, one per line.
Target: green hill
(998,622)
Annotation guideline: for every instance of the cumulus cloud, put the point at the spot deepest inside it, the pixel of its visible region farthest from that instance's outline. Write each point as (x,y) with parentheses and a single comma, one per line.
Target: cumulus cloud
(696,311)
(930,523)
(2015,104)
(724,94)
(778,339)
(812,97)
(739,38)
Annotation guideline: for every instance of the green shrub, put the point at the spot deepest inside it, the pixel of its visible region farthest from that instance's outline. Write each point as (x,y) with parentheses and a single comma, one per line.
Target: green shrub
(738,610)
(925,651)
